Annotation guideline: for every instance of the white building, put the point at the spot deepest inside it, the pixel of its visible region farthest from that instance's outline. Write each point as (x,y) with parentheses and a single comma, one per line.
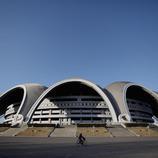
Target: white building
(78,101)
(73,101)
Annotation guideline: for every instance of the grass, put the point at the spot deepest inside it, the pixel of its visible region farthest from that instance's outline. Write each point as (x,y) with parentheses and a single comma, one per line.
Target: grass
(36,131)
(144,131)
(93,131)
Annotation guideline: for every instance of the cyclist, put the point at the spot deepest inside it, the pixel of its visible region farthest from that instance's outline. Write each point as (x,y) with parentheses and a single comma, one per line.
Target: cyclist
(81,139)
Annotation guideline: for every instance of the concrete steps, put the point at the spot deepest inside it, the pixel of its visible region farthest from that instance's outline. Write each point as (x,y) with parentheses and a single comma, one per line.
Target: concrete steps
(64,132)
(14,131)
(120,132)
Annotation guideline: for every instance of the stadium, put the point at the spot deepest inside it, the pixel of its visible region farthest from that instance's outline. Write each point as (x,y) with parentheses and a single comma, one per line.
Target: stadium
(76,103)
(79,101)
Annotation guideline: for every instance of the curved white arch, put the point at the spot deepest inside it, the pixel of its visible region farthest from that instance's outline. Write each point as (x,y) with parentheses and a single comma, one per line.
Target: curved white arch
(24,95)
(134,84)
(87,83)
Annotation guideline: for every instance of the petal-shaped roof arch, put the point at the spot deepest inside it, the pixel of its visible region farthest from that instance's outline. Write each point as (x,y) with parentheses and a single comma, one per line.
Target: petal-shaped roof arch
(122,90)
(25,95)
(96,88)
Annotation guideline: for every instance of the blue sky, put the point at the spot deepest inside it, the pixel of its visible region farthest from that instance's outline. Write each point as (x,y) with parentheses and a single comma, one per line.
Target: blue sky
(45,41)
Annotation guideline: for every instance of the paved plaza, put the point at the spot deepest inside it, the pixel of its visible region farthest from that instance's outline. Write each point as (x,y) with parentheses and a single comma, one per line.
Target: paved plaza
(67,148)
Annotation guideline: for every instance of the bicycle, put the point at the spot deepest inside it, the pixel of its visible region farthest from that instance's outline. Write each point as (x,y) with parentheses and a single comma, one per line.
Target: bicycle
(81,142)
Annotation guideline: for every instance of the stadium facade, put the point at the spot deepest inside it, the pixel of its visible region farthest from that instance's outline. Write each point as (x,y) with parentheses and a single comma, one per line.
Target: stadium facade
(78,101)
(17,101)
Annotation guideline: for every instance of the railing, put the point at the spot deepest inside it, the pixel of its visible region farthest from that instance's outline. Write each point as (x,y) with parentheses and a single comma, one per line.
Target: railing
(73,104)
(72,115)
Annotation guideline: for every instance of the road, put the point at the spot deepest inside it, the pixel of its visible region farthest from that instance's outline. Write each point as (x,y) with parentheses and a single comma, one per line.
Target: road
(18,147)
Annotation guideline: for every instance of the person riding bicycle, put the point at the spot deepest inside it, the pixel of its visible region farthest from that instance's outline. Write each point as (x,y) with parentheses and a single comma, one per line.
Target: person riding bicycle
(81,139)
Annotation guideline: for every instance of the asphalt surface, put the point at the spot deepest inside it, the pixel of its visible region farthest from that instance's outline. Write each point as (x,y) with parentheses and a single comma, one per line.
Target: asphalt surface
(19,147)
